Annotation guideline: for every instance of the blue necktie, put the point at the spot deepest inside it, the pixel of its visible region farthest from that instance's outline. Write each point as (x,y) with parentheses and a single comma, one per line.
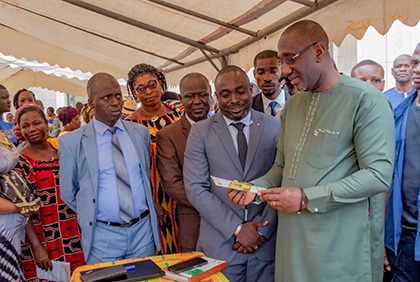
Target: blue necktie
(123,181)
(273,107)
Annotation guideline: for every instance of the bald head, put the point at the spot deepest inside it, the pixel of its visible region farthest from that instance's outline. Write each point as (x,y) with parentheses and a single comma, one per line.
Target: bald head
(402,72)
(305,59)
(402,57)
(194,75)
(364,63)
(94,80)
(415,65)
(307,31)
(371,72)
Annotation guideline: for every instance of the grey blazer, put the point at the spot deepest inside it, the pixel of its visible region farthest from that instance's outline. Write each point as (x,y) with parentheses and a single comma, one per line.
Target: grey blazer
(79,176)
(210,151)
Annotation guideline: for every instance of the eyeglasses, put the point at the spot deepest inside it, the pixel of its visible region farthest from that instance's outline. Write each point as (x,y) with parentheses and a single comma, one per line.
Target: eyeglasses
(290,59)
(141,89)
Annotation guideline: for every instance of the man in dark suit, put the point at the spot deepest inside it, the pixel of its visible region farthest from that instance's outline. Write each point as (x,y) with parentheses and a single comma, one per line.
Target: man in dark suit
(236,143)
(267,73)
(171,142)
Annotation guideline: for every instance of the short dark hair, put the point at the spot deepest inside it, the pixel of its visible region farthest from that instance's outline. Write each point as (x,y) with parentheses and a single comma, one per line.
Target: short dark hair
(16,97)
(2,87)
(169,95)
(265,54)
(367,63)
(142,69)
(30,108)
(51,109)
(230,68)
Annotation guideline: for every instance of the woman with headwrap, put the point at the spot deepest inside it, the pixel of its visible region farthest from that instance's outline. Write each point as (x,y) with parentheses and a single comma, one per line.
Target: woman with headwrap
(70,119)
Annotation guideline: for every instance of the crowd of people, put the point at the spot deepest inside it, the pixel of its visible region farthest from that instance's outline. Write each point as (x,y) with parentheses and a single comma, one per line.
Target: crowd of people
(131,177)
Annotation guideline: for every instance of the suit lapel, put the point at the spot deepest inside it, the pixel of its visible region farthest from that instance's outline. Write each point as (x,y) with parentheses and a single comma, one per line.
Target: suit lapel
(222,131)
(135,138)
(185,126)
(255,133)
(259,106)
(91,151)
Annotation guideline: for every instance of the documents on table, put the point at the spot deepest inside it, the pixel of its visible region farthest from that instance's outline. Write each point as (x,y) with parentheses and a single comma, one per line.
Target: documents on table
(60,272)
(242,186)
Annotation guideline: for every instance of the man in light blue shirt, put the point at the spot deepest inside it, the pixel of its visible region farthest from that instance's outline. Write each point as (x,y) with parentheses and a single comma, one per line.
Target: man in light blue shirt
(104,177)
(402,72)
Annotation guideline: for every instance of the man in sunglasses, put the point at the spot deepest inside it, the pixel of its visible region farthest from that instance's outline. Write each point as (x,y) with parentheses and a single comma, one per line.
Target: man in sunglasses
(334,162)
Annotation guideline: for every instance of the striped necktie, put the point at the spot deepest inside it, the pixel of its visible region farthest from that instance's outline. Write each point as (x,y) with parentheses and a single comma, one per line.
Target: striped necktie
(123,181)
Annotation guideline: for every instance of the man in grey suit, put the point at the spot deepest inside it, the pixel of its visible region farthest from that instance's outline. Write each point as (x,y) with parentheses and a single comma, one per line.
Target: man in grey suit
(243,236)
(104,177)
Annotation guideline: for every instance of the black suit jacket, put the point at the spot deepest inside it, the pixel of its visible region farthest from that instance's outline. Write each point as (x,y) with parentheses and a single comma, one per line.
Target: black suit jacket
(257,103)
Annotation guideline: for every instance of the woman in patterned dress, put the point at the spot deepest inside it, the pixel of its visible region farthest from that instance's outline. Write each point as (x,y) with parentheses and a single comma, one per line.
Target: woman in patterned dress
(53,232)
(147,84)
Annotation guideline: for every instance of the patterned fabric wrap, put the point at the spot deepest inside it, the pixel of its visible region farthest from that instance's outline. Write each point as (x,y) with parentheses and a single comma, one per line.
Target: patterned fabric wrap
(19,191)
(169,230)
(9,257)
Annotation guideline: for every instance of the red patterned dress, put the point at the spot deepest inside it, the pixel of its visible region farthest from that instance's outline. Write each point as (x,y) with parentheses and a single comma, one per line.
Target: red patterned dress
(55,224)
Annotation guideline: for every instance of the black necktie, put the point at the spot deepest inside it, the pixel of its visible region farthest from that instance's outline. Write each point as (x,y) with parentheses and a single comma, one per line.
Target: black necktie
(242,145)
(123,182)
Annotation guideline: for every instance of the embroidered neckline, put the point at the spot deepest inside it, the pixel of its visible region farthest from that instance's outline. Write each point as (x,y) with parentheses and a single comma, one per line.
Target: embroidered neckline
(304,135)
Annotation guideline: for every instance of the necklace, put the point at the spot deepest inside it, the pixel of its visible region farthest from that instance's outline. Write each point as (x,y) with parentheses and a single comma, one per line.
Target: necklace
(50,150)
(154,116)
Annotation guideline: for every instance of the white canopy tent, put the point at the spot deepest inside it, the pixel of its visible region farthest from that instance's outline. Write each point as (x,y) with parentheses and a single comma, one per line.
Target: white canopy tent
(178,36)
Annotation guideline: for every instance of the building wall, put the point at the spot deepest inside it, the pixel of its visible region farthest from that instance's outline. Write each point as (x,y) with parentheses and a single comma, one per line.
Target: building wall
(400,39)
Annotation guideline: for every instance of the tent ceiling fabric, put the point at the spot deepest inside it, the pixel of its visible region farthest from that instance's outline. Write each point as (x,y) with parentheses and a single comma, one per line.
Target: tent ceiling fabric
(112,36)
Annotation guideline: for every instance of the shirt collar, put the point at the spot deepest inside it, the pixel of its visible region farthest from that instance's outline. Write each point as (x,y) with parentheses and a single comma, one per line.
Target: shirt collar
(189,119)
(246,120)
(280,99)
(101,127)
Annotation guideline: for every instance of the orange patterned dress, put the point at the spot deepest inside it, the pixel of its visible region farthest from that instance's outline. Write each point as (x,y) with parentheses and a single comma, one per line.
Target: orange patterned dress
(169,232)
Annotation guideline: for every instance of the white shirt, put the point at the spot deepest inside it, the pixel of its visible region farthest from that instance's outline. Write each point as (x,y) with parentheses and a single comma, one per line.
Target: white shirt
(281,100)
(234,132)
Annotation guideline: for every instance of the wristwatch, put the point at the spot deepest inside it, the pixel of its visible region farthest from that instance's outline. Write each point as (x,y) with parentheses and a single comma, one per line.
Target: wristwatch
(238,229)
